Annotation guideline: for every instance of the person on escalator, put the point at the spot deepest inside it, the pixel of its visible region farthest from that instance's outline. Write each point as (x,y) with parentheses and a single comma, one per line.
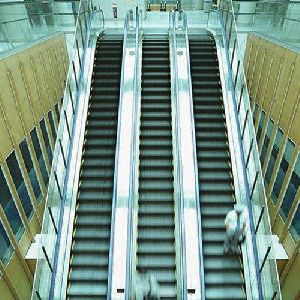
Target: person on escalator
(147,287)
(236,226)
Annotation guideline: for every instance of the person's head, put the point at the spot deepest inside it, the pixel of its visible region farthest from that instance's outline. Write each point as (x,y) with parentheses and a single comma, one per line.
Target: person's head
(238,208)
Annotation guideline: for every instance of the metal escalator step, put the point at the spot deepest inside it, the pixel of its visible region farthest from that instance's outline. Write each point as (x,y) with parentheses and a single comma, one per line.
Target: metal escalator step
(213,163)
(87,290)
(161,107)
(88,275)
(100,219)
(216,199)
(152,262)
(90,233)
(218,176)
(157,115)
(93,247)
(99,124)
(223,292)
(156,227)
(211,187)
(94,209)
(228,278)
(97,173)
(210,211)
(212,224)
(89,260)
(213,144)
(156,90)
(207,92)
(161,174)
(221,264)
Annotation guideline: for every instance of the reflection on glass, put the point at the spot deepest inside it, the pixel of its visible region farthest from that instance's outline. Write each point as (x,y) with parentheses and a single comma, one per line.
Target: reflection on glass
(260,125)
(46,139)
(282,170)
(6,249)
(39,155)
(51,121)
(291,191)
(295,225)
(9,208)
(274,155)
(17,177)
(266,141)
(255,112)
(30,170)
(57,112)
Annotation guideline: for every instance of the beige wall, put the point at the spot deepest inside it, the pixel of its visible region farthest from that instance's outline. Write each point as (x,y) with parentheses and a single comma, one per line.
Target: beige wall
(273,79)
(31,84)
(273,76)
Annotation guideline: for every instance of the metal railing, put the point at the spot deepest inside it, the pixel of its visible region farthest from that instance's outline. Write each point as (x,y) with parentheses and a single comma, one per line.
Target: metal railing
(278,20)
(51,233)
(24,23)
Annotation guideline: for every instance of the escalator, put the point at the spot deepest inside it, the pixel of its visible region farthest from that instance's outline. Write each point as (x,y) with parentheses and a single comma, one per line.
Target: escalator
(88,271)
(223,274)
(156,225)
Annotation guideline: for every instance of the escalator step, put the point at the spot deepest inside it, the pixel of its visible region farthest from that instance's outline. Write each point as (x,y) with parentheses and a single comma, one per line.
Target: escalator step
(223,274)
(88,271)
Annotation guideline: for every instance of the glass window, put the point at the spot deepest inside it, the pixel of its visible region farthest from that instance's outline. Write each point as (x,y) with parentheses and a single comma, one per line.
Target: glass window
(6,249)
(255,112)
(39,155)
(51,121)
(282,170)
(46,139)
(57,112)
(9,208)
(17,177)
(266,141)
(295,225)
(260,125)
(273,156)
(291,190)
(30,170)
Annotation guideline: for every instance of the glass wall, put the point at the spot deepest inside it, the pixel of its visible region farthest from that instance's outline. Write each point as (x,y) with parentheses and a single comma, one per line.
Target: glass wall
(52,125)
(10,208)
(6,249)
(266,141)
(30,170)
(46,139)
(282,170)
(273,157)
(39,155)
(260,125)
(291,191)
(295,226)
(17,177)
